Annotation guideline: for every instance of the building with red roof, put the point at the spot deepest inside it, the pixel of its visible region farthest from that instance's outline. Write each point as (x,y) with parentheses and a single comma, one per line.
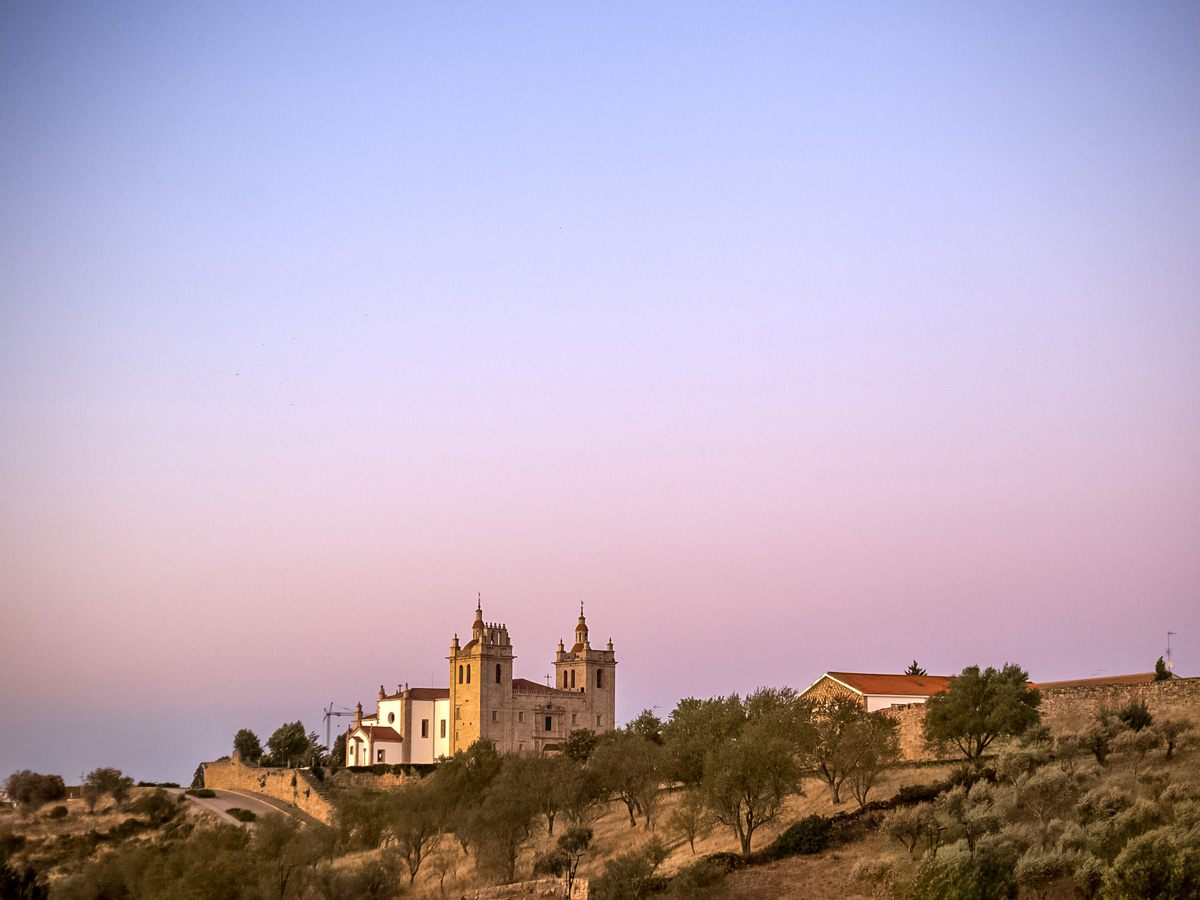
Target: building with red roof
(484,700)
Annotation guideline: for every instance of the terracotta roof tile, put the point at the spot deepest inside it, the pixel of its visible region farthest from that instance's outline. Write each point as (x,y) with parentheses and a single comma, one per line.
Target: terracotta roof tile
(429,693)
(892,685)
(383,733)
(525,686)
(1141,678)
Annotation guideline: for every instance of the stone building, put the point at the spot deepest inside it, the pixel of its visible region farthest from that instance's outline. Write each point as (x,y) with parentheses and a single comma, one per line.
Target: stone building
(484,700)
(876,691)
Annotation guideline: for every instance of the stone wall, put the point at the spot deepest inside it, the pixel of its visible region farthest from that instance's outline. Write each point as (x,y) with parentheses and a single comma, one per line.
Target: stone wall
(295,786)
(543,888)
(1068,709)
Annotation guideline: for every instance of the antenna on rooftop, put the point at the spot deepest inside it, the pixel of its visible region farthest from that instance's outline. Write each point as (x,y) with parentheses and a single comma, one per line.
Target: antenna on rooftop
(1170,665)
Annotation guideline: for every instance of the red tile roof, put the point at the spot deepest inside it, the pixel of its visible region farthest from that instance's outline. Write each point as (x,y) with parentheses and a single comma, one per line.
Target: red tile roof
(1141,678)
(383,733)
(429,693)
(525,686)
(892,685)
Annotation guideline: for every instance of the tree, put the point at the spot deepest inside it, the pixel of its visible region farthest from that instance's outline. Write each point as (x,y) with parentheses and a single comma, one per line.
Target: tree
(849,740)
(32,790)
(647,725)
(747,779)
(415,822)
(290,746)
(566,856)
(1135,715)
(630,767)
(694,729)
(111,782)
(876,743)
(247,747)
(579,745)
(337,754)
(502,825)
(979,707)
(1161,672)
(1173,733)
(689,819)
(914,669)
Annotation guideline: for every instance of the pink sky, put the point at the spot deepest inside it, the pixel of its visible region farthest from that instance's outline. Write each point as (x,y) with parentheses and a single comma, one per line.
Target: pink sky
(787,339)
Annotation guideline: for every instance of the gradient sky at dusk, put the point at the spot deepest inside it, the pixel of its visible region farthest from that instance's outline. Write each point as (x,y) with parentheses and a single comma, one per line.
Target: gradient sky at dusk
(787,337)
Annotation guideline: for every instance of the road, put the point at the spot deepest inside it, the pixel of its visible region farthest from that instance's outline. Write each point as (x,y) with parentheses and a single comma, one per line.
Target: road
(259,804)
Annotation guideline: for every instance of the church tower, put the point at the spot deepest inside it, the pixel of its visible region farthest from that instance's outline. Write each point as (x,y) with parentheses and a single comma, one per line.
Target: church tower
(481,686)
(591,673)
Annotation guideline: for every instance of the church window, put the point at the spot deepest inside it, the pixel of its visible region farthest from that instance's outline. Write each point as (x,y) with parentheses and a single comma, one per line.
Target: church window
(521,717)
(443,727)
(572,678)
(424,728)
(599,721)
(549,723)
(574,718)
(458,712)
(468,673)
(391,718)
(599,678)
(497,673)
(494,715)
(460,681)
(380,756)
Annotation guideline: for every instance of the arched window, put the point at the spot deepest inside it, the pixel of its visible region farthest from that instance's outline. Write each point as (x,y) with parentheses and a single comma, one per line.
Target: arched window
(468,673)
(460,675)
(497,673)
(572,678)
(599,678)
(564,681)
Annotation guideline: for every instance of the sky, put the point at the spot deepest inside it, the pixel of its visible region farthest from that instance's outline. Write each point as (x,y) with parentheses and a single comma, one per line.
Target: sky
(786,337)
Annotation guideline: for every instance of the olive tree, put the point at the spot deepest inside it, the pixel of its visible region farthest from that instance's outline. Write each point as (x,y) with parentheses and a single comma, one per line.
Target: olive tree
(980,706)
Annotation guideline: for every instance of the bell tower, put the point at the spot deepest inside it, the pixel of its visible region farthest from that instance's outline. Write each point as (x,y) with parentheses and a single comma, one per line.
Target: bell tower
(481,685)
(590,672)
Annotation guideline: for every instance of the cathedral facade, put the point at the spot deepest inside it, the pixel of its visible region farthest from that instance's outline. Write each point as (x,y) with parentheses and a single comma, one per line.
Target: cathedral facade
(485,700)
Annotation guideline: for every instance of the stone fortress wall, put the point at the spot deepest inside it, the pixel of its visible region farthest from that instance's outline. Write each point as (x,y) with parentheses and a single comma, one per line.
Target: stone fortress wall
(295,786)
(1070,709)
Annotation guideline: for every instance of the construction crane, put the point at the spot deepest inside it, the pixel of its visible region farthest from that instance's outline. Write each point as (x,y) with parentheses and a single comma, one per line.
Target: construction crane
(330,712)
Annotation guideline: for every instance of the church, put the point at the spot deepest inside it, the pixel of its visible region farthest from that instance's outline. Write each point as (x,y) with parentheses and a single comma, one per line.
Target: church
(484,700)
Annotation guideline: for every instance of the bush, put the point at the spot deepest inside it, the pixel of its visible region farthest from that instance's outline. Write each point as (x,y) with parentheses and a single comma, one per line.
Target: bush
(699,880)
(809,835)
(242,815)
(919,793)
(203,793)
(59,812)
(160,806)
(1135,715)
(1162,864)
(631,876)
(982,876)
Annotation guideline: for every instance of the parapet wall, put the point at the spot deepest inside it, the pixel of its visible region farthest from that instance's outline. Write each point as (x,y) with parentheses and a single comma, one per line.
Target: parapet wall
(295,786)
(1069,709)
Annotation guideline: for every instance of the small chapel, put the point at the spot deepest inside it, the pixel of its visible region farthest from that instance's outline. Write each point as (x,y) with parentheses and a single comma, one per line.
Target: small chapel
(484,700)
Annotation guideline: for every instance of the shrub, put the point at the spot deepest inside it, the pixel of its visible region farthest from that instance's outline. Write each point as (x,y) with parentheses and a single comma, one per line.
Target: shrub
(242,815)
(160,806)
(1161,864)
(878,873)
(809,835)
(631,876)
(918,793)
(203,793)
(981,876)
(910,825)
(58,812)
(1135,715)
(699,880)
